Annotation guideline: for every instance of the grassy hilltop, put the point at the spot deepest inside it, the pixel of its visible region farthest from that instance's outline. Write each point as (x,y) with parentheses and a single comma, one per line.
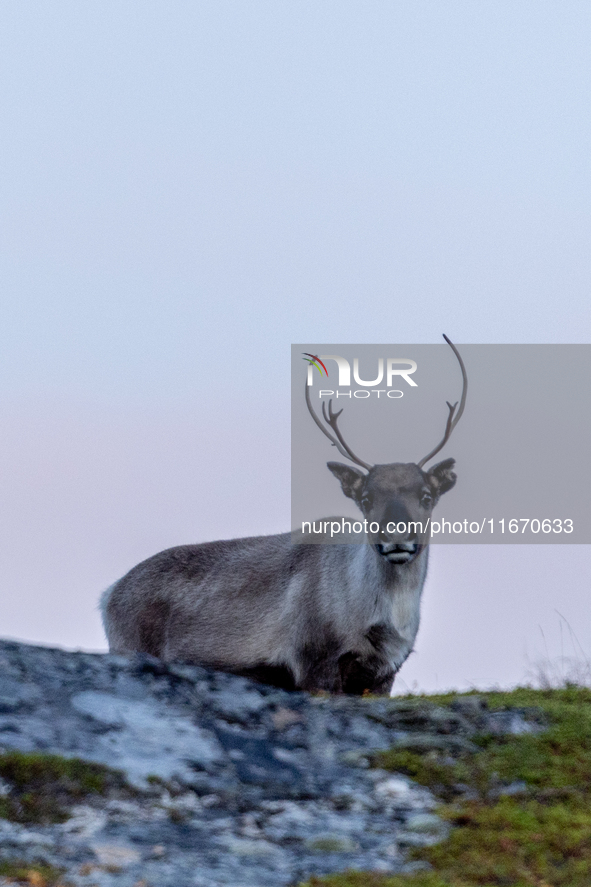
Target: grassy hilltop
(520,805)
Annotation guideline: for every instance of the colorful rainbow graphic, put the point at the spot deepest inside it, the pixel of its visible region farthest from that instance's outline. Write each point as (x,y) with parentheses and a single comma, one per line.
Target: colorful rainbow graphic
(314,360)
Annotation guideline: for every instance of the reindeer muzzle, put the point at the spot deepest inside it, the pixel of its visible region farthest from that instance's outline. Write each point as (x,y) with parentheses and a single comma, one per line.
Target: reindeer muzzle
(398,552)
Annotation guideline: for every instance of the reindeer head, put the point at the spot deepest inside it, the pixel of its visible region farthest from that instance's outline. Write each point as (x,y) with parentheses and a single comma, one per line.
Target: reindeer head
(399,497)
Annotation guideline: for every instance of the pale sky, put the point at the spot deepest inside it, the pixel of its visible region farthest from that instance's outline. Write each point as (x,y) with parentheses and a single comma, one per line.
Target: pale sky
(188,188)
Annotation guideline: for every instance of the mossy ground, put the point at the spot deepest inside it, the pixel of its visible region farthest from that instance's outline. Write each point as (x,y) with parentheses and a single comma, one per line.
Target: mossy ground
(42,786)
(18,872)
(539,837)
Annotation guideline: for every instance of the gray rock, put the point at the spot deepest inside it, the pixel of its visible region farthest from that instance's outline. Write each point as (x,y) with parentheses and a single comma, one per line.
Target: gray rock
(419,716)
(515,722)
(146,739)
(255,787)
(426,824)
(16,696)
(515,788)
(422,742)
(330,843)
(416,865)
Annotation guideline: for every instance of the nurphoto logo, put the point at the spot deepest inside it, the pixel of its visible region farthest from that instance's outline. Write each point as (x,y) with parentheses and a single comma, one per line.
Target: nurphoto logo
(314,361)
(401,367)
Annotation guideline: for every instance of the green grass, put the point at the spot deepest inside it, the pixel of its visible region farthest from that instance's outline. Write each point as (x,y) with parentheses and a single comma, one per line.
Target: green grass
(42,786)
(538,838)
(28,873)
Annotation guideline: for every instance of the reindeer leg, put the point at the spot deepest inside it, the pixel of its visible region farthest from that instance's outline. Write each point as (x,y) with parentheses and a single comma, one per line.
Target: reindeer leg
(272,675)
(370,673)
(365,676)
(320,665)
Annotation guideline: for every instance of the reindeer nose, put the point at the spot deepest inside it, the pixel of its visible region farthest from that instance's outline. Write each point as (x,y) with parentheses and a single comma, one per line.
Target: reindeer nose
(395,515)
(382,535)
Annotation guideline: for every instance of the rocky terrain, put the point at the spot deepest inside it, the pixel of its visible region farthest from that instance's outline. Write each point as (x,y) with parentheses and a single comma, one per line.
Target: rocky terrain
(208,779)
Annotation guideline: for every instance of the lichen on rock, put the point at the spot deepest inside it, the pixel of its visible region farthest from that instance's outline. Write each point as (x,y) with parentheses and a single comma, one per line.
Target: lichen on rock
(171,774)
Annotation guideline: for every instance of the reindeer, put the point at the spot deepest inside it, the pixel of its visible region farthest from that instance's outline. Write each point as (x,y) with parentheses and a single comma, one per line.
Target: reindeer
(340,618)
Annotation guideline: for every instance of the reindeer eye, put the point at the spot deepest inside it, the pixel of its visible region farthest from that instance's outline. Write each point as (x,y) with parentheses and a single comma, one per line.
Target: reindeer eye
(366,502)
(427,500)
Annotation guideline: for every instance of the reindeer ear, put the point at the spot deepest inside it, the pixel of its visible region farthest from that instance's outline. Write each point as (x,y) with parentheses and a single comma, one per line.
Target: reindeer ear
(441,477)
(351,478)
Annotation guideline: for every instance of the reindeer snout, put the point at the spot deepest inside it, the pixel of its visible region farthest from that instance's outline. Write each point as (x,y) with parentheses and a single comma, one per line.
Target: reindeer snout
(398,542)
(396,524)
(398,552)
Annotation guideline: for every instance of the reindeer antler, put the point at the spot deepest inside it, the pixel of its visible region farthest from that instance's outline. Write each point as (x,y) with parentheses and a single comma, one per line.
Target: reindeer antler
(452,420)
(331,420)
(345,450)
